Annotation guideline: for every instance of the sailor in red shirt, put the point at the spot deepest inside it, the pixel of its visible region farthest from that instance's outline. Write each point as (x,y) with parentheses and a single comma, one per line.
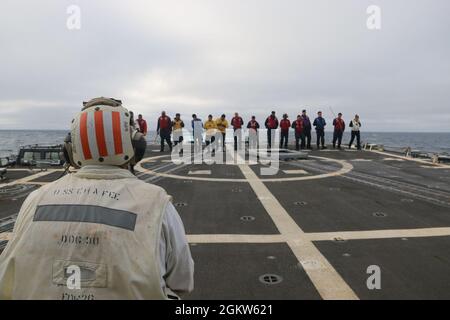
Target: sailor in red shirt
(142,125)
(271,125)
(285,124)
(299,128)
(253,127)
(339,127)
(164,129)
(237,124)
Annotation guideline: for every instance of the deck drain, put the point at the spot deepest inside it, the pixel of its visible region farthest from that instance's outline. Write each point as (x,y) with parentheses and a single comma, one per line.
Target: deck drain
(379,214)
(270,279)
(300,203)
(346,255)
(180,204)
(407,200)
(247,218)
(236,190)
(271,257)
(334,189)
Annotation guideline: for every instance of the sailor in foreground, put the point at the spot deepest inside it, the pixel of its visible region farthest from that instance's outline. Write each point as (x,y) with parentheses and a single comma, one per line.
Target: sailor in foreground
(99,233)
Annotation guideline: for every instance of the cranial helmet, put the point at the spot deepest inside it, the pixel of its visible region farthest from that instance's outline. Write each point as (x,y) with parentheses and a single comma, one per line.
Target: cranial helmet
(101,134)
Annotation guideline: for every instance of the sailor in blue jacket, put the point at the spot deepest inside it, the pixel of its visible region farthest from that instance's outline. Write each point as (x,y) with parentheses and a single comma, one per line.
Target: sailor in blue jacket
(320,124)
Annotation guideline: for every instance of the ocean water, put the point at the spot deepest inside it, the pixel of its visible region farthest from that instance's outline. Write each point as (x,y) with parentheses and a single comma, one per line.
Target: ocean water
(12,140)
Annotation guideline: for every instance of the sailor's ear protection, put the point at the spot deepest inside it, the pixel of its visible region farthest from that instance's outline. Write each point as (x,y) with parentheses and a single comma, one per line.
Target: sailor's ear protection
(67,151)
(139,145)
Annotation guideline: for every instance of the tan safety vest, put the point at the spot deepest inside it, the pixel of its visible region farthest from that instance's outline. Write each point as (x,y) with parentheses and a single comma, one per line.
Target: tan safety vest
(101,221)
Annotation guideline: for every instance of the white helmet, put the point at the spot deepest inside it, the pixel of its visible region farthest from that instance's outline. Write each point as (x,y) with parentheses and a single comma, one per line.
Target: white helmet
(101,134)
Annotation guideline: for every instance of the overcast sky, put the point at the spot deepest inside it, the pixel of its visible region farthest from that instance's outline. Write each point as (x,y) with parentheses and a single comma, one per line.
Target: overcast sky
(222,56)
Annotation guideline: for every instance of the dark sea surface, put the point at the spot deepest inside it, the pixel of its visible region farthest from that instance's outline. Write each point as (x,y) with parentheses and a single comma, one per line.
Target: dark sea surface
(12,140)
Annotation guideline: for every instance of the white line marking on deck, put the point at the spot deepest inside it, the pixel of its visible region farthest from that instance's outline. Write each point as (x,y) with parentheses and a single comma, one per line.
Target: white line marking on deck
(432,167)
(379,234)
(295,172)
(346,167)
(393,159)
(435,165)
(321,236)
(28,178)
(235,238)
(361,160)
(325,278)
(200,172)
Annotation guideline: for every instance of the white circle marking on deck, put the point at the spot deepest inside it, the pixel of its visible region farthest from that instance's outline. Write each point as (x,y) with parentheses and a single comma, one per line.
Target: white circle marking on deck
(346,167)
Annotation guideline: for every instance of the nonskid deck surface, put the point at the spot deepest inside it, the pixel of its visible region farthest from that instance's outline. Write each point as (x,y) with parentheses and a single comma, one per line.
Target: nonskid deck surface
(310,231)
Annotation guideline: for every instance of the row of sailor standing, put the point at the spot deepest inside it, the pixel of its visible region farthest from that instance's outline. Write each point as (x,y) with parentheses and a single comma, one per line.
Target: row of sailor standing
(302,127)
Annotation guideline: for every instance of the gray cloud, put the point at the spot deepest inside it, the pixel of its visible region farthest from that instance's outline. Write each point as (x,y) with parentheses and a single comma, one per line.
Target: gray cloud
(216,56)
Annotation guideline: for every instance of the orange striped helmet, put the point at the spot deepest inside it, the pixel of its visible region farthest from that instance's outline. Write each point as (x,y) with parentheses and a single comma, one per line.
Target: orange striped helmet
(101,134)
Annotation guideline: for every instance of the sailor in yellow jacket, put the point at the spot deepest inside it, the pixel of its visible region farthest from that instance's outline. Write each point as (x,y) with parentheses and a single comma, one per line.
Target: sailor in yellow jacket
(99,233)
(222,125)
(211,130)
